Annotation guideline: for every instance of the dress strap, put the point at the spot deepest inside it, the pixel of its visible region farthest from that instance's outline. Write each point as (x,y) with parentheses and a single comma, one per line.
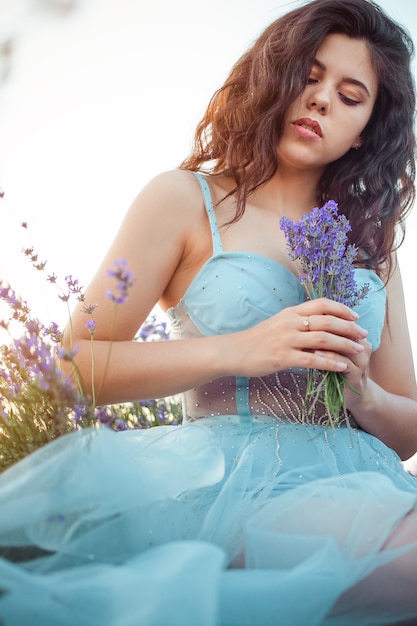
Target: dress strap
(208,203)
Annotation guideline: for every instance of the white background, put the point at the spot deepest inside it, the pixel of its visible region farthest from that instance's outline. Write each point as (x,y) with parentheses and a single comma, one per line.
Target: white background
(99,100)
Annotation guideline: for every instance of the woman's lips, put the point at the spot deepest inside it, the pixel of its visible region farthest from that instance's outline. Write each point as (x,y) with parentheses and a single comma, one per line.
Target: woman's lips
(308,128)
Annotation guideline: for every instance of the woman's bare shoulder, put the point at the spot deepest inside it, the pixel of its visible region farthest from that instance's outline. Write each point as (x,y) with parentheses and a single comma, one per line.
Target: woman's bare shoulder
(171,188)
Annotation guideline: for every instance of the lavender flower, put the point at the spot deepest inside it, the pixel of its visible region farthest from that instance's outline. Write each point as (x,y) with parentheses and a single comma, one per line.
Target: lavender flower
(54,332)
(72,284)
(143,414)
(319,243)
(35,395)
(89,309)
(153,329)
(74,288)
(91,326)
(125,281)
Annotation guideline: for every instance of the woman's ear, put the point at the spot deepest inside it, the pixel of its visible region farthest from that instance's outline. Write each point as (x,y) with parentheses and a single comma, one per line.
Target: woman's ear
(357,143)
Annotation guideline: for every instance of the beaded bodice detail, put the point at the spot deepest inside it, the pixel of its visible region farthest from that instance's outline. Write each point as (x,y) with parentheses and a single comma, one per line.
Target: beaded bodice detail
(234,291)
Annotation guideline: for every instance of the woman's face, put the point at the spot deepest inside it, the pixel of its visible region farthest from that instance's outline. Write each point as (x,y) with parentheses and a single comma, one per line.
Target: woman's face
(329,116)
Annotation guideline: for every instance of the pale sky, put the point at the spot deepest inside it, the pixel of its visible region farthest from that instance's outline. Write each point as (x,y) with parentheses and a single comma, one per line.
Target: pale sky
(100,101)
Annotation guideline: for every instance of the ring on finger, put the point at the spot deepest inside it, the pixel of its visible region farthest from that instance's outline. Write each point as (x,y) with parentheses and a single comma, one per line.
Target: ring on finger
(306,322)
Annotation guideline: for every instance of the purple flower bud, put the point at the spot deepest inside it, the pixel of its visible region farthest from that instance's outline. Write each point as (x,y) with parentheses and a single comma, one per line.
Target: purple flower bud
(91,325)
(124,282)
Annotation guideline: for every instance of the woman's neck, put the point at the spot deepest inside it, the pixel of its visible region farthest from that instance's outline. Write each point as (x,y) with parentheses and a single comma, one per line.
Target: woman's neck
(291,195)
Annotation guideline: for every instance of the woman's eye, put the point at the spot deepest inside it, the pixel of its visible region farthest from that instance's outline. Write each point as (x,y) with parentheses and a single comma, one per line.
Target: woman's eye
(349,101)
(312,81)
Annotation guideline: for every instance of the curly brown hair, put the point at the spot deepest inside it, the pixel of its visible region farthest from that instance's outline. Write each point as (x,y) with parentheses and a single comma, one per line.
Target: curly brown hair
(240,130)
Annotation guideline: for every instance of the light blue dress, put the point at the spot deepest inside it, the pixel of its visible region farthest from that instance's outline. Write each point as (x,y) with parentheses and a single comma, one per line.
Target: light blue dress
(245,515)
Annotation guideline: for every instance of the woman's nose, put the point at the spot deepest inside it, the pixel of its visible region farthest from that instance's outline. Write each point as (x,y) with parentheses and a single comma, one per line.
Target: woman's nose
(320,102)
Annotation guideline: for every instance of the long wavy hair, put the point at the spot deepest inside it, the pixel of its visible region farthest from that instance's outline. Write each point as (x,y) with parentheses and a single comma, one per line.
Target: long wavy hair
(241,128)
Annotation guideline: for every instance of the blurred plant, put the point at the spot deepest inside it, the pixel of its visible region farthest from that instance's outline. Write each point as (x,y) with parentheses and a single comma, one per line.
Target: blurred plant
(144,414)
(57,6)
(17,23)
(38,402)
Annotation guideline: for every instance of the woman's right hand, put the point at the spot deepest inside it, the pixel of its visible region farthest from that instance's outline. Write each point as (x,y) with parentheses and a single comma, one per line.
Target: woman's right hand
(310,335)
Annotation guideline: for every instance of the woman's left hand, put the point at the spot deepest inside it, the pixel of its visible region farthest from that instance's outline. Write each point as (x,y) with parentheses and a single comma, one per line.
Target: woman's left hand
(356,374)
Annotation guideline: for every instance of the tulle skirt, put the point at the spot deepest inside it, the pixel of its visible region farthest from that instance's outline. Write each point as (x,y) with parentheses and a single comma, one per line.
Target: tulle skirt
(214,523)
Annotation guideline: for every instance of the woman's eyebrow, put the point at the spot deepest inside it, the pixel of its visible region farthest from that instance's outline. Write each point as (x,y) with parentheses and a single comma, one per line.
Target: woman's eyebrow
(346,79)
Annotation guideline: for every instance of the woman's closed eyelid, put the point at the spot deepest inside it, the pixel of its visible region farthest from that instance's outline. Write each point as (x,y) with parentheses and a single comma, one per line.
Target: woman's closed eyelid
(348,100)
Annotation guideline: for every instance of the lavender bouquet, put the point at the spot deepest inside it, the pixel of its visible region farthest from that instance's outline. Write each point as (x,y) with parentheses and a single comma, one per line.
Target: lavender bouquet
(318,243)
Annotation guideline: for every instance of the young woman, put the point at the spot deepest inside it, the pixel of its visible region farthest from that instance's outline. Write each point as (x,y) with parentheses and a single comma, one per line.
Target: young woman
(249,513)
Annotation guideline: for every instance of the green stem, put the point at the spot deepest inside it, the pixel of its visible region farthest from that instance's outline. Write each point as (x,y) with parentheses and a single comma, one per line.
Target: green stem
(106,367)
(93,390)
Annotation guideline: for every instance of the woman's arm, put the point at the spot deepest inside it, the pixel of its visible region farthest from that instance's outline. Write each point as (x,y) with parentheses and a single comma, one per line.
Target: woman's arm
(154,238)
